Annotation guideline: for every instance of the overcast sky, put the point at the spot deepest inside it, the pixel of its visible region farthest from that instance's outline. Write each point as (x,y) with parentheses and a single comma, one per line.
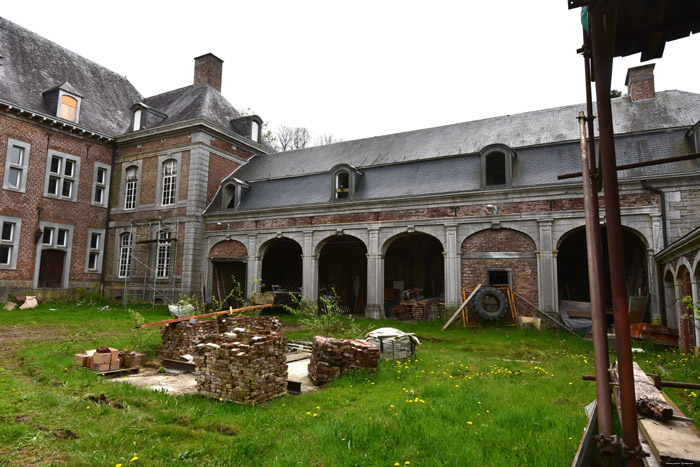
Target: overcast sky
(355,69)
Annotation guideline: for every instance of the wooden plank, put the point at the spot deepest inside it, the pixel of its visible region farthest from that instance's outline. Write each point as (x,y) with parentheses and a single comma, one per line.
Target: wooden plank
(650,401)
(460,307)
(671,441)
(586,449)
(206,315)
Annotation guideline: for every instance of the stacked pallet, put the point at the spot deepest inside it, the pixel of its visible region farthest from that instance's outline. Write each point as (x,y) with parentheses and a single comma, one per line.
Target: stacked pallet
(335,358)
(181,338)
(242,366)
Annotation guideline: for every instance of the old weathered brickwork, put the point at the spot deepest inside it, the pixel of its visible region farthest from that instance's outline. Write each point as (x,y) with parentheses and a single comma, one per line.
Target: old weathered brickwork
(476,263)
(229,249)
(335,358)
(219,168)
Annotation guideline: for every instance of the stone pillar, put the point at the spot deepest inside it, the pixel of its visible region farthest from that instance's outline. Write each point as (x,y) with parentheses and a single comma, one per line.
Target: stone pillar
(253,268)
(453,263)
(375,277)
(309,282)
(653,284)
(547,269)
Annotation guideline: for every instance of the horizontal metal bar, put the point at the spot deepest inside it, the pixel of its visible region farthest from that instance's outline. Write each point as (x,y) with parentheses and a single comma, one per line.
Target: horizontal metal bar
(634,165)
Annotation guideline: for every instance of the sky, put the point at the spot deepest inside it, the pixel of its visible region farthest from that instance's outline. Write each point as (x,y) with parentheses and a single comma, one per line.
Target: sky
(353,69)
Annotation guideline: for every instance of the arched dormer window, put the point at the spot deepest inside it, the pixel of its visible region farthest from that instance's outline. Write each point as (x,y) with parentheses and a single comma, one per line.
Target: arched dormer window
(232,193)
(496,166)
(345,180)
(137,120)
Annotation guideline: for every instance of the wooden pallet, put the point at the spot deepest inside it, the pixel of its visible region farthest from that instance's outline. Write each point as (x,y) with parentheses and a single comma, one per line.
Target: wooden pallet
(119,372)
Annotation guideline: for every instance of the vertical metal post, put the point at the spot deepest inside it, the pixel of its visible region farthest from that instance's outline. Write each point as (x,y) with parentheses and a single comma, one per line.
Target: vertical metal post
(595,267)
(602,61)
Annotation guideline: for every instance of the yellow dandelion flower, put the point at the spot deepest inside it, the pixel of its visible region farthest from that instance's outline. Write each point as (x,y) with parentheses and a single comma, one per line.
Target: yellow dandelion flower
(469,423)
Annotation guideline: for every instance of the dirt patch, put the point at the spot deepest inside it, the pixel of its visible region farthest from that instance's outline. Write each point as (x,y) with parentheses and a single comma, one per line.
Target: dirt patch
(12,335)
(292,327)
(102,400)
(65,433)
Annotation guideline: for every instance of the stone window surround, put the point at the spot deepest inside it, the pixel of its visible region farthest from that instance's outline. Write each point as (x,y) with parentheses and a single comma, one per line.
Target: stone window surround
(24,167)
(122,188)
(14,243)
(117,252)
(506,151)
(99,250)
(353,174)
(104,186)
(177,157)
(61,176)
(42,246)
(167,245)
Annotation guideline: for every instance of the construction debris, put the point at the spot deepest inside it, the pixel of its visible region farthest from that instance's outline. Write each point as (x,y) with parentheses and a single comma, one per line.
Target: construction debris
(29,302)
(335,358)
(243,366)
(393,344)
(107,359)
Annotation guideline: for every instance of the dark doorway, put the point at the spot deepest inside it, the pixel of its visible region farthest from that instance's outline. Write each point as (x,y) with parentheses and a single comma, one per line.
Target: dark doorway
(572,266)
(499,277)
(51,269)
(229,276)
(415,261)
(342,267)
(282,266)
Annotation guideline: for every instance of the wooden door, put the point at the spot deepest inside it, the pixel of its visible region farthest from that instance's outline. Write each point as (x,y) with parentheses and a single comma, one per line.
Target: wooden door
(51,269)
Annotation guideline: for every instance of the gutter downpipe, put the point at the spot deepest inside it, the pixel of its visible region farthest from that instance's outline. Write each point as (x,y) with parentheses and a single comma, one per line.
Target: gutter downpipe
(602,62)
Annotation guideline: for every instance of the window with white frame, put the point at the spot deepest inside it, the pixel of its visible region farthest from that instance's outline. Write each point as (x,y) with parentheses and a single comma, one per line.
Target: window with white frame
(100,186)
(55,237)
(163,254)
(16,164)
(169,182)
(125,246)
(62,176)
(9,241)
(94,251)
(137,120)
(131,187)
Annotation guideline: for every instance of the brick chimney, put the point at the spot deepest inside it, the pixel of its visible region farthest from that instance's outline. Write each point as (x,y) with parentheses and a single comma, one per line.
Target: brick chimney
(640,83)
(207,70)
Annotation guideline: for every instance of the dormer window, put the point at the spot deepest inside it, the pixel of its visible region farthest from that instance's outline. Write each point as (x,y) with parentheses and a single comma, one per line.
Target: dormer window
(231,196)
(345,181)
(232,193)
(68,108)
(342,185)
(137,120)
(496,166)
(255,131)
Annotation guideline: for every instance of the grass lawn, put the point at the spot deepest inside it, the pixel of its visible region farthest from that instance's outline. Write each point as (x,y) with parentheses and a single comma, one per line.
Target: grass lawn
(481,396)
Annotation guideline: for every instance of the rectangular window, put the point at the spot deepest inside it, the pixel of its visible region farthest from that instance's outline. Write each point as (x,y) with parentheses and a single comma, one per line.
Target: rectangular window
(100,185)
(163,254)
(131,188)
(16,166)
(9,241)
(47,239)
(62,176)
(94,251)
(61,237)
(169,182)
(125,255)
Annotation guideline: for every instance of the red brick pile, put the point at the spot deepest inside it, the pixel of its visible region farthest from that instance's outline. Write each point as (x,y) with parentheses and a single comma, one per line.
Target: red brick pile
(334,358)
(181,338)
(246,366)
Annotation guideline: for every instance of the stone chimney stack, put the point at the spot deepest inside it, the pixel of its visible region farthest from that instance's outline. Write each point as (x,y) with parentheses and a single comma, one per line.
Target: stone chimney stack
(207,70)
(640,83)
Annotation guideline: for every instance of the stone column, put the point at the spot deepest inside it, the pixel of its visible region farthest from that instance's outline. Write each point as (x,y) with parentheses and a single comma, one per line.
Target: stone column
(375,277)
(309,281)
(653,284)
(547,269)
(253,268)
(453,257)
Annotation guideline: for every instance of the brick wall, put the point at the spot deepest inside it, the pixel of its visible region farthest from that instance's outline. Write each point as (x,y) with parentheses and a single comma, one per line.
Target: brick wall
(219,169)
(229,249)
(523,270)
(33,207)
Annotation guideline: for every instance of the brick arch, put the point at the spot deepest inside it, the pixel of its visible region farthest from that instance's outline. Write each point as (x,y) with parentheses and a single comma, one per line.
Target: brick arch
(229,249)
(503,250)
(500,240)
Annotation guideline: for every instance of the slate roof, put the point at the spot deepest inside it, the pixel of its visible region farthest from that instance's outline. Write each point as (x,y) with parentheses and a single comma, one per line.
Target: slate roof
(31,65)
(446,159)
(194,101)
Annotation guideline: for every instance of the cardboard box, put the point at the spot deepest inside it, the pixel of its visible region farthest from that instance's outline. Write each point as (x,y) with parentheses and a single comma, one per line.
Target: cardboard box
(101,358)
(81,359)
(137,360)
(114,364)
(114,353)
(100,366)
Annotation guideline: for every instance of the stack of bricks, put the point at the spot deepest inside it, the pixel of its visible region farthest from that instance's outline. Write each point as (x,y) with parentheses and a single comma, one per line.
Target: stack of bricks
(687,340)
(247,365)
(335,358)
(181,338)
(261,323)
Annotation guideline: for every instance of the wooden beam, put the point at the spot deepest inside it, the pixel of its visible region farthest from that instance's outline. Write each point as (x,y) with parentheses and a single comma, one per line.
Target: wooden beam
(461,306)
(206,315)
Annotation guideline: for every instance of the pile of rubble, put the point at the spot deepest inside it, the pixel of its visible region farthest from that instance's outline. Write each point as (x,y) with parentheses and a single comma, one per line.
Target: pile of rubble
(247,365)
(335,358)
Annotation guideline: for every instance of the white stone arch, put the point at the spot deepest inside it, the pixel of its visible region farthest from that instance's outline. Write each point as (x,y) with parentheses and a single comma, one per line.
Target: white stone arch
(392,234)
(265,241)
(321,238)
(670,296)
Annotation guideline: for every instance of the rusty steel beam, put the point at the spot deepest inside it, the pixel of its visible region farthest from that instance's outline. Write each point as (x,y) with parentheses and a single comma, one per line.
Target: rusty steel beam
(205,315)
(635,165)
(602,63)
(594,252)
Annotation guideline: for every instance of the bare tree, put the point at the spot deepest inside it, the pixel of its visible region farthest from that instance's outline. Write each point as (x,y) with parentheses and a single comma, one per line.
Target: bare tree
(326,138)
(289,138)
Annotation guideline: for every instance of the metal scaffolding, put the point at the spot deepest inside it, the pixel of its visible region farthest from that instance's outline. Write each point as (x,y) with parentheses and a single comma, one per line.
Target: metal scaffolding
(152,259)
